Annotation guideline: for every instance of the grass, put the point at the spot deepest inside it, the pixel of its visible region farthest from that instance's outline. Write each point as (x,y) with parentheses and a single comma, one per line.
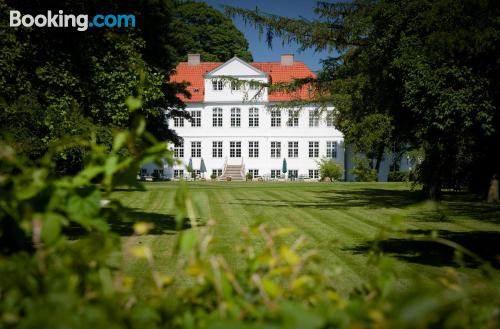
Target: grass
(341,220)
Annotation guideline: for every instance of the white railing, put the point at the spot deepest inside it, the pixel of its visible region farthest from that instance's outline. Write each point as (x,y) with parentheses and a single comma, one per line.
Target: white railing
(225,167)
(243,169)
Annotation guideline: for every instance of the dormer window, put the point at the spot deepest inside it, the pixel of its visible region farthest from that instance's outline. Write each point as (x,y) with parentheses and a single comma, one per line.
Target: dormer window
(217,84)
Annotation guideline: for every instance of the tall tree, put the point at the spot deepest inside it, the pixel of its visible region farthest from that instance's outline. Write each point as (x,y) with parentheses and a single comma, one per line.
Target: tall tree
(60,82)
(427,70)
(203,29)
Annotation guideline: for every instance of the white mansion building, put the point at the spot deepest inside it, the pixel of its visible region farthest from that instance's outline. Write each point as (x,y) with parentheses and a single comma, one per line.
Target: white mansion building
(233,130)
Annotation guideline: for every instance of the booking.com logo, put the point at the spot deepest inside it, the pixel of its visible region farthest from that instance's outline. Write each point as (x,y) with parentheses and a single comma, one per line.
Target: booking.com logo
(81,22)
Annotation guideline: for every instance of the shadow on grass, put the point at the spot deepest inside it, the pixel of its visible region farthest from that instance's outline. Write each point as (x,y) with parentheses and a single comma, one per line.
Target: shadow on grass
(371,198)
(338,199)
(163,224)
(131,189)
(454,205)
(483,243)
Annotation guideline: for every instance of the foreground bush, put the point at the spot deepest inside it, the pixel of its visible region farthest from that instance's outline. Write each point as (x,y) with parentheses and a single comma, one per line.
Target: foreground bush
(61,266)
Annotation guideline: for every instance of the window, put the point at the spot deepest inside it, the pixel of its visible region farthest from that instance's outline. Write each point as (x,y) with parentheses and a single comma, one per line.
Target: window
(178,173)
(293,149)
(195,118)
(313,149)
(313,118)
(235,117)
(158,172)
(217,149)
(293,173)
(275,173)
(217,84)
(217,172)
(144,171)
(196,173)
(253,149)
(235,85)
(293,118)
(235,149)
(314,173)
(217,117)
(196,149)
(179,150)
(254,172)
(275,149)
(331,149)
(178,122)
(330,119)
(275,118)
(253,117)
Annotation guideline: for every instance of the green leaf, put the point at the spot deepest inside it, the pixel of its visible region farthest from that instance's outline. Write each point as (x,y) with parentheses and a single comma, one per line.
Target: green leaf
(36,184)
(119,140)
(271,288)
(141,126)
(86,175)
(84,206)
(188,241)
(51,227)
(111,165)
(298,317)
(133,103)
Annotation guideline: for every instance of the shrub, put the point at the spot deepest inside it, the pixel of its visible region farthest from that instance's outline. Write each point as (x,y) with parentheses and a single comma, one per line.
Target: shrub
(213,177)
(156,175)
(362,171)
(398,176)
(249,176)
(330,169)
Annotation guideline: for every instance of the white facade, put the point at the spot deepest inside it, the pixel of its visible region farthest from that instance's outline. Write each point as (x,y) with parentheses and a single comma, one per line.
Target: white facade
(235,127)
(301,145)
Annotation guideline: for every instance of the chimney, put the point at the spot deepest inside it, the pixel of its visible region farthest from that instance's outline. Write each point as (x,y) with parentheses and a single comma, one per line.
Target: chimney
(193,59)
(287,59)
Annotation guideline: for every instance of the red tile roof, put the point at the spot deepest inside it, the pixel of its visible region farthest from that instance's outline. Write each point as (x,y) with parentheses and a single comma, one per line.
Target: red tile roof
(194,74)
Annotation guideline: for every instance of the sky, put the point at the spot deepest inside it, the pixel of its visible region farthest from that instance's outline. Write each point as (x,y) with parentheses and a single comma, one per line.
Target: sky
(258,45)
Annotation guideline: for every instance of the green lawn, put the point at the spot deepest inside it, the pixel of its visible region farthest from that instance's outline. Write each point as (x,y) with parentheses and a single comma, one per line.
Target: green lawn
(341,220)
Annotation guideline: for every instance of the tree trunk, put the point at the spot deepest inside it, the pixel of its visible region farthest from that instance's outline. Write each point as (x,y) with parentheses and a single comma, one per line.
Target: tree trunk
(434,191)
(493,191)
(378,160)
(432,168)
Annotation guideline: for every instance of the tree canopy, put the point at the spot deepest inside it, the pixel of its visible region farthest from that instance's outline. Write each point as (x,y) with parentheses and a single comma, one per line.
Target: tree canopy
(59,82)
(204,30)
(424,72)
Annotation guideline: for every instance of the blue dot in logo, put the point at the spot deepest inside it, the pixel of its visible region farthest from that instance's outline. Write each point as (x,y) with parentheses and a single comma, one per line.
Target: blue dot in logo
(91,24)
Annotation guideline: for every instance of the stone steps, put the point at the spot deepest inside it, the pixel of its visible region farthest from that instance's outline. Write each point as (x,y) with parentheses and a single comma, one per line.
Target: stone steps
(233,171)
